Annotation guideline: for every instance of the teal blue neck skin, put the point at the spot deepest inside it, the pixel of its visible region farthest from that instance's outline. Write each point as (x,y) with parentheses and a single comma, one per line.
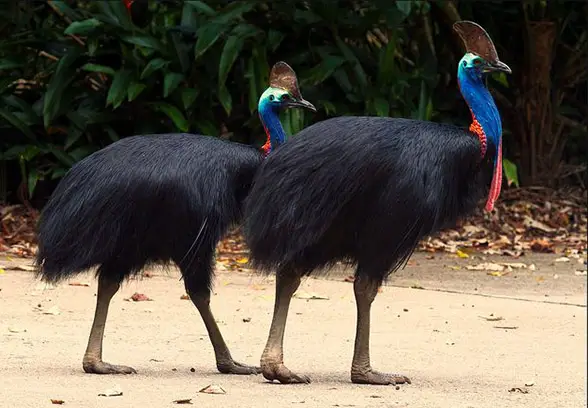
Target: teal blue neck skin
(479,99)
(269,115)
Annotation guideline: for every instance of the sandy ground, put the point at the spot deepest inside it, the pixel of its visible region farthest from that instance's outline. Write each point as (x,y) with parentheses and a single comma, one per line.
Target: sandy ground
(435,335)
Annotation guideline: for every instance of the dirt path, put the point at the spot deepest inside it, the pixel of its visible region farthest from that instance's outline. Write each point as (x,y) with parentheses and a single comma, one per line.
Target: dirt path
(436,335)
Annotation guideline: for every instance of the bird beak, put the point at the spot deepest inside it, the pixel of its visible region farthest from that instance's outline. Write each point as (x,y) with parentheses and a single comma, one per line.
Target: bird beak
(499,66)
(301,104)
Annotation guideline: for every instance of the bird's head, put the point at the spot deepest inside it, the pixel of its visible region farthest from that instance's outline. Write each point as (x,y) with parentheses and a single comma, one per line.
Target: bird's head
(481,57)
(283,92)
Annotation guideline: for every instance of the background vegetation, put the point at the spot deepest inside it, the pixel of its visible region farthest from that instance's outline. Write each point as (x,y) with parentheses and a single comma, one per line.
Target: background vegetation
(78,75)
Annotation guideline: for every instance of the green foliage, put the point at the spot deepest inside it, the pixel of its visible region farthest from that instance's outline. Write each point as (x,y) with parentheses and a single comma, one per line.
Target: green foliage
(77,75)
(92,72)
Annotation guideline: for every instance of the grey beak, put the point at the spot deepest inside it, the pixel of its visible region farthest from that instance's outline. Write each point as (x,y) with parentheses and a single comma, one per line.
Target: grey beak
(302,103)
(500,66)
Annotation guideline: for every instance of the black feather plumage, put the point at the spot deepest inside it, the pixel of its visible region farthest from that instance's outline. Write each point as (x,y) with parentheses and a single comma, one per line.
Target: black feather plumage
(142,200)
(363,189)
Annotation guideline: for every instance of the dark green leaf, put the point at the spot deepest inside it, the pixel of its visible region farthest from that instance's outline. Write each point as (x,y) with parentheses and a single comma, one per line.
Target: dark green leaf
(58,173)
(323,70)
(10,63)
(189,95)
(111,133)
(225,99)
(118,88)
(206,127)
(17,123)
(153,65)
(231,51)
(63,157)
(27,113)
(171,82)
(274,39)
(182,51)
(66,10)
(404,6)
(381,106)
(234,10)
(134,90)
(32,180)
(360,74)
(145,41)
(82,27)
(73,135)
(64,74)
(207,36)
(98,68)
(174,114)
(201,7)
(81,152)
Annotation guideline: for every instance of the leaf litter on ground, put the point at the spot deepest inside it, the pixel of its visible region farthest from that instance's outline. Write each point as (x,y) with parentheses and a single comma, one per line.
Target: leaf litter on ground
(533,219)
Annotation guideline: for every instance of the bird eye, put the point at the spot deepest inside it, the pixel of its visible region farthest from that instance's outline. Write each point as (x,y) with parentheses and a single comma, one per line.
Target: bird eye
(465,64)
(271,97)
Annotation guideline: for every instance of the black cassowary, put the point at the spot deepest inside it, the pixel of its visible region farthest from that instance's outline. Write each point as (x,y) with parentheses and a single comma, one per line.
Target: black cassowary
(156,199)
(366,190)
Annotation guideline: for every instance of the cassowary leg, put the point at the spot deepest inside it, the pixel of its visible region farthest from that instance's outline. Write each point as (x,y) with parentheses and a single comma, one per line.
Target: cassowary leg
(92,363)
(365,291)
(200,296)
(272,359)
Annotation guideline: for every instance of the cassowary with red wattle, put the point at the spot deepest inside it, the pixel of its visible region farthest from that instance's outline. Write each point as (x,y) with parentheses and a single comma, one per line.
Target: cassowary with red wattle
(366,190)
(157,199)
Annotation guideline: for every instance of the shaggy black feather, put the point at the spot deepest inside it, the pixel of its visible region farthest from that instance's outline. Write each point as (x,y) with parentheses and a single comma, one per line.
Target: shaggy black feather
(142,200)
(362,189)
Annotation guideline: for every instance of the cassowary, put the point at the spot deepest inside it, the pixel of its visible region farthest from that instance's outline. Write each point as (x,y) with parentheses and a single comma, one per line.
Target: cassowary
(156,199)
(366,190)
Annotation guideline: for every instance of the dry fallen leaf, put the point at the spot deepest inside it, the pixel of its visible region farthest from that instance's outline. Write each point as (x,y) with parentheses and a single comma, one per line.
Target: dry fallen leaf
(242,260)
(531,223)
(138,297)
(462,254)
(492,318)
(79,284)
(18,267)
(486,266)
(16,330)
(183,401)
(112,392)
(213,389)
(514,265)
(309,296)
(57,401)
(54,310)
(185,297)
(497,273)
(522,390)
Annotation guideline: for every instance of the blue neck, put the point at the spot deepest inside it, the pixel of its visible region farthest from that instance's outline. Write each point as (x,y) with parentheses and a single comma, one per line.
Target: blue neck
(272,125)
(481,104)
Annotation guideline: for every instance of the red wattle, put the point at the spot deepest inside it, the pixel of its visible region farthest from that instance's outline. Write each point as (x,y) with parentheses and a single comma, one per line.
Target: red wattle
(496,181)
(268,143)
